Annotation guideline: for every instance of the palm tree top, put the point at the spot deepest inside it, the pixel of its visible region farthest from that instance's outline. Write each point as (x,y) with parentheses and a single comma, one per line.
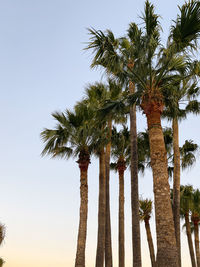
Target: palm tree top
(186,192)
(72,133)
(195,207)
(145,209)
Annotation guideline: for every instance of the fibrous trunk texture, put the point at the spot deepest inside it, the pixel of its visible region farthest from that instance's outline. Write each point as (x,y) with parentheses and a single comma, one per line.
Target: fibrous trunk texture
(121,166)
(196,235)
(108,240)
(101,212)
(150,243)
(176,187)
(189,238)
(166,242)
(80,252)
(137,262)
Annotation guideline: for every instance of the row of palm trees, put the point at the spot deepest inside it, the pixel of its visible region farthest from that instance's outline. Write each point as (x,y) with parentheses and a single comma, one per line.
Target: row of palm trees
(162,81)
(77,133)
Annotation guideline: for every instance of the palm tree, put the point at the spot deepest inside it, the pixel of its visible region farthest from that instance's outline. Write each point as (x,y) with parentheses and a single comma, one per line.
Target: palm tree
(152,104)
(179,93)
(121,167)
(2,236)
(96,95)
(100,253)
(195,218)
(120,152)
(114,90)
(72,137)
(145,215)
(185,206)
(187,159)
(115,55)
(2,233)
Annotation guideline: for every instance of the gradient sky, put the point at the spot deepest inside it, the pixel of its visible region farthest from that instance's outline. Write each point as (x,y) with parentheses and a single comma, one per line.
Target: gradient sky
(43,68)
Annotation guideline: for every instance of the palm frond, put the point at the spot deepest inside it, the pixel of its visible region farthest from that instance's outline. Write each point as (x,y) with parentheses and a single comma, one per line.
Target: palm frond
(150,19)
(186,30)
(188,152)
(193,107)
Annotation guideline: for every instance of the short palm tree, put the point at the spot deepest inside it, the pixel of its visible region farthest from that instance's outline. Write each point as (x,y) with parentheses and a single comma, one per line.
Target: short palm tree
(195,218)
(2,236)
(72,137)
(185,207)
(1,262)
(2,233)
(145,215)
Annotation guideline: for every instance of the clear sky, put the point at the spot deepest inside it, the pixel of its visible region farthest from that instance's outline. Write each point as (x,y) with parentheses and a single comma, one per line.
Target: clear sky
(43,68)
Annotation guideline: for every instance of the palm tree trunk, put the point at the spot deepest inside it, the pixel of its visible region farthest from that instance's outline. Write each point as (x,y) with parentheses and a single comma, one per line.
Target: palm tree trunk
(101,212)
(196,234)
(176,187)
(121,168)
(166,242)
(108,241)
(189,238)
(80,252)
(137,262)
(150,243)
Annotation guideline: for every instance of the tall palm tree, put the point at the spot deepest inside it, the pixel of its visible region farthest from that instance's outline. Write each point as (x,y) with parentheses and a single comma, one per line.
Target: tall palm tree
(72,137)
(114,91)
(182,92)
(145,215)
(185,206)
(152,104)
(115,55)
(120,152)
(96,95)
(195,218)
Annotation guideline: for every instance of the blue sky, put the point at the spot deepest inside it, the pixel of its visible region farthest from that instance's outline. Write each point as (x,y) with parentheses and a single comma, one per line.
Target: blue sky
(43,68)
